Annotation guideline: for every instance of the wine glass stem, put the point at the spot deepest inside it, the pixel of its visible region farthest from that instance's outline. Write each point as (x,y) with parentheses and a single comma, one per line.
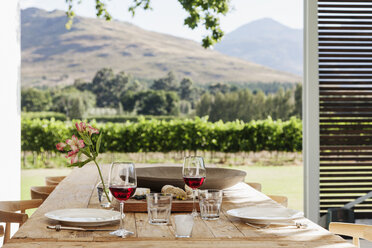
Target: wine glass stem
(193,202)
(121,215)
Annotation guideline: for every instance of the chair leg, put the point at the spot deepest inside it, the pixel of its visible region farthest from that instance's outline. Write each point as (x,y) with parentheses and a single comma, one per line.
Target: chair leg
(7,232)
(356,242)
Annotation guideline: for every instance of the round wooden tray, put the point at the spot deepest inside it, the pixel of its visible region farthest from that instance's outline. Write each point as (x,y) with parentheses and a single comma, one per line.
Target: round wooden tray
(158,176)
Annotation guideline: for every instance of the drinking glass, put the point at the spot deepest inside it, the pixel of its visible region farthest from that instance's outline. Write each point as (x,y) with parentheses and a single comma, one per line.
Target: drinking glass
(210,203)
(159,208)
(102,198)
(194,174)
(184,225)
(122,185)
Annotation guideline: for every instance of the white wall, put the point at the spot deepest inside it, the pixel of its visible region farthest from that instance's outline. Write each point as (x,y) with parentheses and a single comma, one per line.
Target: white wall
(10,62)
(10,115)
(311,112)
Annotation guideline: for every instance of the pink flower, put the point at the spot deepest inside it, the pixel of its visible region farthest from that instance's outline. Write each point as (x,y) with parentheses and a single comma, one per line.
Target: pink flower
(92,130)
(61,146)
(81,127)
(75,143)
(73,155)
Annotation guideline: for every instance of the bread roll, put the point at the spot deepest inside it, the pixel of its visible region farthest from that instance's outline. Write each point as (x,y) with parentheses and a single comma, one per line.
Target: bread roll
(188,190)
(177,192)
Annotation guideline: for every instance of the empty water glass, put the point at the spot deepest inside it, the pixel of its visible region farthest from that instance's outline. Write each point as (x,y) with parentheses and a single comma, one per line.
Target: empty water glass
(184,225)
(159,208)
(104,202)
(210,203)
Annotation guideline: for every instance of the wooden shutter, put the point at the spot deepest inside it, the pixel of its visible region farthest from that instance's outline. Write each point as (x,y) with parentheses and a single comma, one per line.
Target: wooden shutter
(345,103)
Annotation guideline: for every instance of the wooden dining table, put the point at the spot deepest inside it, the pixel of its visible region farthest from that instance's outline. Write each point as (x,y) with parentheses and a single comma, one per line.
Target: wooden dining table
(78,191)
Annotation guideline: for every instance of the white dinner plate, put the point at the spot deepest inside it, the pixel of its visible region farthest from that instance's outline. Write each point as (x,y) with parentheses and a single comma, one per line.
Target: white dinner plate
(84,216)
(265,215)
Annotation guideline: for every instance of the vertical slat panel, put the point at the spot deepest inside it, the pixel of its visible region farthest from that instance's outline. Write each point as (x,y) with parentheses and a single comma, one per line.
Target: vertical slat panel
(345,109)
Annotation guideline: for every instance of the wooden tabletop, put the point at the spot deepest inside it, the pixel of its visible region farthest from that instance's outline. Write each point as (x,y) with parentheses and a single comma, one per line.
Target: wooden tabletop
(78,191)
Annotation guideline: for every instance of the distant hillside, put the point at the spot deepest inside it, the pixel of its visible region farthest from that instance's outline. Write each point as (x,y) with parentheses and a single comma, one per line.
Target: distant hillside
(52,55)
(266,42)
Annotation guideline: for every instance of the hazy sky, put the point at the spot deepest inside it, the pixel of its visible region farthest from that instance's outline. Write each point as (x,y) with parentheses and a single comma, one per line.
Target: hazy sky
(167,15)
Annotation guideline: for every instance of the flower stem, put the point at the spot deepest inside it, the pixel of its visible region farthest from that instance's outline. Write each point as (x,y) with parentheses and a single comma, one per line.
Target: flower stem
(103,182)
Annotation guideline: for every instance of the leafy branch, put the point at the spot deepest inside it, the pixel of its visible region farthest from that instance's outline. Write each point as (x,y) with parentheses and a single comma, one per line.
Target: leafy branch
(201,12)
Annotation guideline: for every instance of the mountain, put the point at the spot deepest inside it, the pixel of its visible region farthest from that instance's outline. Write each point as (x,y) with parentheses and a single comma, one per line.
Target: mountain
(266,42)
(52,55)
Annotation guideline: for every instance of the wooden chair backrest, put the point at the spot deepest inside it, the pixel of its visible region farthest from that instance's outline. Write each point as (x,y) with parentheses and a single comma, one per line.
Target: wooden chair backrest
(13,206)
(356,231)
(41,192)
(53,181)
(8,215)
(256,186)
(282,200)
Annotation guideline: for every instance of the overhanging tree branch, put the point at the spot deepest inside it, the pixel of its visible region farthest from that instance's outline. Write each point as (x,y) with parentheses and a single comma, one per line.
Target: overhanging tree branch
(201,12)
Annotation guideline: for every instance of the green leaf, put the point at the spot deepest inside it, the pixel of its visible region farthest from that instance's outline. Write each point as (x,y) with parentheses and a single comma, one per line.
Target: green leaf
(98,143)
(86,152)
(86,139)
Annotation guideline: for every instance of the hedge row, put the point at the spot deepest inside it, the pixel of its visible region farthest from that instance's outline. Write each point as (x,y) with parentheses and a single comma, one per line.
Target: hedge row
(98,118)
(125,118)
(44,115)
(176,135)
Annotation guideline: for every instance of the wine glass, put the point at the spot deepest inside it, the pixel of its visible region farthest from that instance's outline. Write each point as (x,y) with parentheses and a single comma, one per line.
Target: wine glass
(194,174)
(122,185)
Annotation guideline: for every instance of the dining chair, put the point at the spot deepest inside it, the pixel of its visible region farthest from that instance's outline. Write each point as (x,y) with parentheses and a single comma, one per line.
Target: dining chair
(282,200)
(53,181)
(256,186)
(356,231)
(8,214)
(41,192)
(1,231)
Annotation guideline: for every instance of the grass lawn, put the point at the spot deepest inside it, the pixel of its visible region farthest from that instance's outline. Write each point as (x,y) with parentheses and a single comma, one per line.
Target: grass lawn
(36,177)
(284,180)
(276,180)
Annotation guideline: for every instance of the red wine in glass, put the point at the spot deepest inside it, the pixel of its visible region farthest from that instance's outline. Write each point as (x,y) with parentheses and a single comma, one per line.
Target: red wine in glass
(122,185)
(194,182)
(122,193)
(194,173)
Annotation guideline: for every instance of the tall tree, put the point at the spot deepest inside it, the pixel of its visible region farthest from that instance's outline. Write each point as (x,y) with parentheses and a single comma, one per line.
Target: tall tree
(172,106)
(204,106)
(244,105)
(109,87)
(135,85)
(128,100)
(218,88)
(298,100)
(35,100)
(167,83)
(282,106)
(185,107)
(185,89)
(74,103)
(152,102)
